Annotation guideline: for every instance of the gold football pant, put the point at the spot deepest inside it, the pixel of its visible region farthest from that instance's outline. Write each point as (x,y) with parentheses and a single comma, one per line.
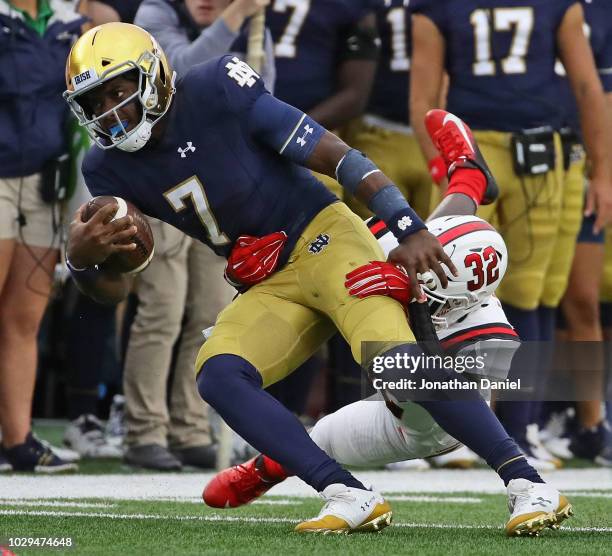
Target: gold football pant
(399,157)
(527,216)
(279,323)
(606,283)
(557,274)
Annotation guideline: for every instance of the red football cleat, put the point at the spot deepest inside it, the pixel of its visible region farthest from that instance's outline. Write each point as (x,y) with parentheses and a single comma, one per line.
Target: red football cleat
(241,484)
(457,146)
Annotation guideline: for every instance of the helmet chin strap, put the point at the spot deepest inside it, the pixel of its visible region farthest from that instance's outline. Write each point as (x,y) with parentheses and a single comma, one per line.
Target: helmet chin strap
(138,138)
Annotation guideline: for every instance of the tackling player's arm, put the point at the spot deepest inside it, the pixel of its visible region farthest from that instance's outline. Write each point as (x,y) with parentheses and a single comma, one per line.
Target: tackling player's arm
(453,205)
(577,57)
(355,76)
(90,244)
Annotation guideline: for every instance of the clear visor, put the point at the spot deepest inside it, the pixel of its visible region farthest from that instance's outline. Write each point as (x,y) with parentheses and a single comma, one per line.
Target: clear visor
(109,137)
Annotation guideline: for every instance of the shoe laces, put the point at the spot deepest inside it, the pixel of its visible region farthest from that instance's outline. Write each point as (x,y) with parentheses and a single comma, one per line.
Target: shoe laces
(518,500)
(41,451)
(338,498)
(245,476)
(451,144)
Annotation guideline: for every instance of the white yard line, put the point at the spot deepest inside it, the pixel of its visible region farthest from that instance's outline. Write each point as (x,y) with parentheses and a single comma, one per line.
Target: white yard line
(188,486)
(588,493)
(230,519)
(434,499)
(54,503)
(212,518)
(274,502)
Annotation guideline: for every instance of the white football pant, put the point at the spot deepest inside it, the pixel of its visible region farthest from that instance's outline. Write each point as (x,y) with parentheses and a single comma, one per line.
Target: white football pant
(366,433)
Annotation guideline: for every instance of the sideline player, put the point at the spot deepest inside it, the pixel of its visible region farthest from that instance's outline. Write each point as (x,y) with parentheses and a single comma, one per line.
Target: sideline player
(384,130)
(241,173)
(500,58)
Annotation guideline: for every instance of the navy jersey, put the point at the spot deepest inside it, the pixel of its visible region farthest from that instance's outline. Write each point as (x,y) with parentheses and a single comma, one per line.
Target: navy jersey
(500,56)
(389,97)
(307,38)
(598,27)
(210,175)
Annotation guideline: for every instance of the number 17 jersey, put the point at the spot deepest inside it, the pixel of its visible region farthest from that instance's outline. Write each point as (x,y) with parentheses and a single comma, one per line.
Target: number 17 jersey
(500,57)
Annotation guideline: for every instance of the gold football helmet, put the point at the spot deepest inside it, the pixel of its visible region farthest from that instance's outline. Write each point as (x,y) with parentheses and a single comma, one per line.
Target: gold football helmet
(105,52)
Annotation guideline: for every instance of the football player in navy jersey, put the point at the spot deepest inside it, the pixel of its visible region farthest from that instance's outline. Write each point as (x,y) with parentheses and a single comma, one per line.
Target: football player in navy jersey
(220,158)
(325,53)
(580,304)
(384,130)
(500,58)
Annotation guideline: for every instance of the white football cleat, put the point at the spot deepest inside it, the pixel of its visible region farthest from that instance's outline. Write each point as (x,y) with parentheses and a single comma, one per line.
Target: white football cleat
(559,447)
(537,450)
(86,436)
(115,426)
(408,465)
(533,507)
(349,510)
(461,458)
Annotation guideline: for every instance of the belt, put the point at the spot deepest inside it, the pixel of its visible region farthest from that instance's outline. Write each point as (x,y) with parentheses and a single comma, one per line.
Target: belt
(377,121)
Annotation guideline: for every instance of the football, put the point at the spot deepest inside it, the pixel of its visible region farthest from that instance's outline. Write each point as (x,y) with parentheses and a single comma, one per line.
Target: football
(128,262)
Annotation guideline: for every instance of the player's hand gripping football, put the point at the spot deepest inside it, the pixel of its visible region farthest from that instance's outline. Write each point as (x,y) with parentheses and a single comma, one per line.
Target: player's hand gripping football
(92,242)
(378,278)
(253,259)
(418,253)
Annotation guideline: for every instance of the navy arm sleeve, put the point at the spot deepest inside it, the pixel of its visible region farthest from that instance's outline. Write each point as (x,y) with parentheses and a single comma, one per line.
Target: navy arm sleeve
(278,125)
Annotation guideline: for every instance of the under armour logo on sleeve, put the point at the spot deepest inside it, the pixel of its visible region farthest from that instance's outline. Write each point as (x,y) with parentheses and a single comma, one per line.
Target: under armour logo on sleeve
(302,140)
(188,148)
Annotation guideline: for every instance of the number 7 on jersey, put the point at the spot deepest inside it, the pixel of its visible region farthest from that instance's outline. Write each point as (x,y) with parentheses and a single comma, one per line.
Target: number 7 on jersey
(194,189)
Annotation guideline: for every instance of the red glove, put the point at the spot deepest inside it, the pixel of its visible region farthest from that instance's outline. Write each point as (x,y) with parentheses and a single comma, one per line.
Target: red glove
(253,259)
(377,278)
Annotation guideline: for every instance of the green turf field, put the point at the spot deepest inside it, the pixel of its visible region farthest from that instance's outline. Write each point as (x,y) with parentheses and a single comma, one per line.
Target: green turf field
(110,508)
(461,523)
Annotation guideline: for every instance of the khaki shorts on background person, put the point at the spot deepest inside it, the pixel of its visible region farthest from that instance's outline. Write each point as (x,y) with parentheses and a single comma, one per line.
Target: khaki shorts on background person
(22,196)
